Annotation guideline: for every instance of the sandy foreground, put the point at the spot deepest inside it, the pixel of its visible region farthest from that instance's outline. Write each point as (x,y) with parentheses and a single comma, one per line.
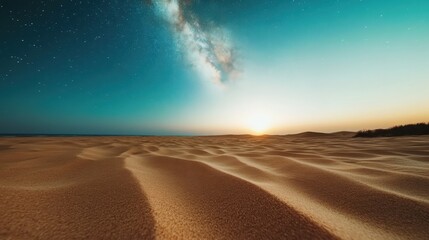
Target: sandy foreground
(308,186)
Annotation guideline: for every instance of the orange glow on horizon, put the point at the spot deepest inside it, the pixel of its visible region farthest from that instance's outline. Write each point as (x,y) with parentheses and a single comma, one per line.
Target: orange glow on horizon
(259,124)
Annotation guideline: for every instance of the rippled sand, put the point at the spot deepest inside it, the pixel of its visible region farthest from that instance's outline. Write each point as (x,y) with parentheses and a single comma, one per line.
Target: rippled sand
(307,186)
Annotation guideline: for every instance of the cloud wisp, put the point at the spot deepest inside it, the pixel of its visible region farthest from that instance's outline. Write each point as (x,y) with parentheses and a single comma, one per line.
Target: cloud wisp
(208,49)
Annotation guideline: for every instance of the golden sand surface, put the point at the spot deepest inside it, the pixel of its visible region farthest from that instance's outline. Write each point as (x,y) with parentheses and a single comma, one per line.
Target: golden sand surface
(305,186)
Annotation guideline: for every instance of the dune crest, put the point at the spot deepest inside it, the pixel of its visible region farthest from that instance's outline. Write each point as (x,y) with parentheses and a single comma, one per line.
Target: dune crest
(230,187)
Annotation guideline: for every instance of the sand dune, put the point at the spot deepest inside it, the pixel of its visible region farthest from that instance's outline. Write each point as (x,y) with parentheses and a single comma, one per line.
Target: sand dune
(306,186)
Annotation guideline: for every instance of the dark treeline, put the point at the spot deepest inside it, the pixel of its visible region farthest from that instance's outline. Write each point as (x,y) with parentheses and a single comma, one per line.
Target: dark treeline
(401,130)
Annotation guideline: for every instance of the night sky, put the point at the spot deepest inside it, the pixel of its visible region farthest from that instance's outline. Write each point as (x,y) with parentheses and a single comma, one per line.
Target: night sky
(211,67)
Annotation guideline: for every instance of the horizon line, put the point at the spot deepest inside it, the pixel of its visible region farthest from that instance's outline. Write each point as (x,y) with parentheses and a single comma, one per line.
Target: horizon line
(155,135)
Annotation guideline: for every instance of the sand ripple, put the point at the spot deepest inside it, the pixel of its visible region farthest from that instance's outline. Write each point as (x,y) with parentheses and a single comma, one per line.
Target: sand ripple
(308,186)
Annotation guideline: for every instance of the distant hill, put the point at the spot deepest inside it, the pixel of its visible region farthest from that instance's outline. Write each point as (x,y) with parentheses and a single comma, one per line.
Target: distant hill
(401,130)
(310,134)
(343,134)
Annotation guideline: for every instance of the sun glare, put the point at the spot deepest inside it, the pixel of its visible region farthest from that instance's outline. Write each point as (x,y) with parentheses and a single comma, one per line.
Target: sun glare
(259,124)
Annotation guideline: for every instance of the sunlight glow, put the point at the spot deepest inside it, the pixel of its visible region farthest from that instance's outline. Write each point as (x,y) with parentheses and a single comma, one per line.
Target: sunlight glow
(259,124)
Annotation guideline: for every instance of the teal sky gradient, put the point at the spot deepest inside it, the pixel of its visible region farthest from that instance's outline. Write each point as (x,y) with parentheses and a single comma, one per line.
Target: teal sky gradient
(299,65)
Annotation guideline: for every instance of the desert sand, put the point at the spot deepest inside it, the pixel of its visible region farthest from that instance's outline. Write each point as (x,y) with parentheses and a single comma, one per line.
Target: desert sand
(306,186)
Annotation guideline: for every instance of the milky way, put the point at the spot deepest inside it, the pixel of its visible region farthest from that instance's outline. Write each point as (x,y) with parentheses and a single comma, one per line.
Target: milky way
(208,49)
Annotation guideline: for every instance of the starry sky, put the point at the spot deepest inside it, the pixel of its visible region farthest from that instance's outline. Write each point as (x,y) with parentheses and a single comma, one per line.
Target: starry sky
(169,67)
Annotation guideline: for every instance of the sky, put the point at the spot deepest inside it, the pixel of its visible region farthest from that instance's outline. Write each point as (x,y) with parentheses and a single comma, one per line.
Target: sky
(191,67)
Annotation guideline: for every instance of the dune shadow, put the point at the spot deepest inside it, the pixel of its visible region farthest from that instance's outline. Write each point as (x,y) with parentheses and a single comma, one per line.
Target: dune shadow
(396,214)
(230,207)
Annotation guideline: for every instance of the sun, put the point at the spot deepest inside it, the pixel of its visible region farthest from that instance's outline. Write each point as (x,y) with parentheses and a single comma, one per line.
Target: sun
(259,124)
